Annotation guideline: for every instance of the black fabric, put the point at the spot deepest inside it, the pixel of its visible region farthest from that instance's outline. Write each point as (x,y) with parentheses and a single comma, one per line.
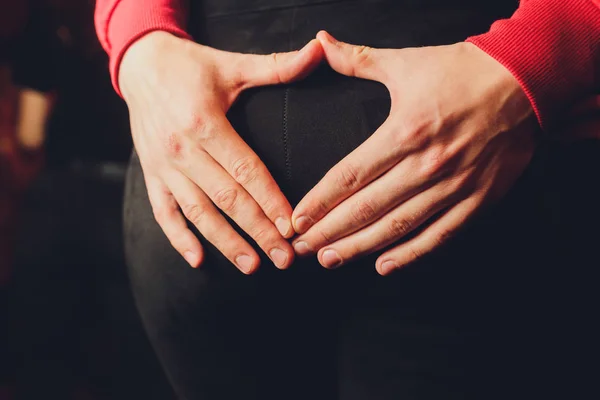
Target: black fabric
(72,318)
(37,46)
(53,54)
(478,319)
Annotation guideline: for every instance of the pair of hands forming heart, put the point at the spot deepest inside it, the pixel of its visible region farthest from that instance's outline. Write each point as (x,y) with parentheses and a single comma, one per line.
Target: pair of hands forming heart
(460,132)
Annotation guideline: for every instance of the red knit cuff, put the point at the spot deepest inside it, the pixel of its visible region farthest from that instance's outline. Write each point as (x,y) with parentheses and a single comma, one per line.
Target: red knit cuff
(130,21)
(552,47)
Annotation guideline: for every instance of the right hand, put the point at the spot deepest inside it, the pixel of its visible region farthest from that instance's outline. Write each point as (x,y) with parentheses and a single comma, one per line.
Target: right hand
(178,94)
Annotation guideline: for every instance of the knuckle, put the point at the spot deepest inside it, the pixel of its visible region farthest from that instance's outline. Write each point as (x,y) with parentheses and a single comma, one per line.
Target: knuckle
(399,227)
(434,163)
(348,177)
(162,214)
(194,213)
(270,205)
(416,130)
(315,208)
(235,74)
(354,250)
(319,208)
(174,145)
(414,254)
(245,170)
(262,235)
(363,211)
(205,131)
(197,120)
(442,237)
(273,62)
(226,199)
(361,54)
(462,183)
(324,236)
(228,242)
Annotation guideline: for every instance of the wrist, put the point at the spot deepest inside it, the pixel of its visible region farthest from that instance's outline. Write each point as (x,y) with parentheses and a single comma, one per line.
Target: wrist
(551,47)
(501,87)
(143,57)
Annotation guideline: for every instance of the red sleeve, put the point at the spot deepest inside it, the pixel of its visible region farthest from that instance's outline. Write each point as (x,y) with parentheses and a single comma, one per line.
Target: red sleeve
(119,23)
(552,47)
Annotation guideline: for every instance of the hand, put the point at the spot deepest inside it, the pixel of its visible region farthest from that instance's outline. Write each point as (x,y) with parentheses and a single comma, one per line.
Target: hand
(178,93)
(459,133)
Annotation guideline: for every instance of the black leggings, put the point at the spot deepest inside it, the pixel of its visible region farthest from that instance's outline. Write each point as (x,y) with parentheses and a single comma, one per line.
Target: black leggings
(466,322)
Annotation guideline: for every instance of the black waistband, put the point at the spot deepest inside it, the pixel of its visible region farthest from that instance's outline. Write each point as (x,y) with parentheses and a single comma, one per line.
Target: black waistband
(266,26)
(219,8)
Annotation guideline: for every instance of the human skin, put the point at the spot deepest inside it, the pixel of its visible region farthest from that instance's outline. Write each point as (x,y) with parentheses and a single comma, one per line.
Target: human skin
(459,134)
(194,163)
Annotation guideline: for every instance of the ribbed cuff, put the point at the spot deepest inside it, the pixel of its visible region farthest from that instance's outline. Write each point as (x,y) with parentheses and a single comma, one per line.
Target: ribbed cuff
(130,20)
(552,47)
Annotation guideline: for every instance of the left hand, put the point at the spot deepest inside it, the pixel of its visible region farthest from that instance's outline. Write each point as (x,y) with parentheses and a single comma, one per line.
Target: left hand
(460,132)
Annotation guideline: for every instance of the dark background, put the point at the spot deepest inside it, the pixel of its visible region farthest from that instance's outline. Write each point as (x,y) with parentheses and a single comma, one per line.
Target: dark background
(68,324)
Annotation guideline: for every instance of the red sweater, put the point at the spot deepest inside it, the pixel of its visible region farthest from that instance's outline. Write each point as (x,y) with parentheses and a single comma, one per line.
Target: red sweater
(552,47)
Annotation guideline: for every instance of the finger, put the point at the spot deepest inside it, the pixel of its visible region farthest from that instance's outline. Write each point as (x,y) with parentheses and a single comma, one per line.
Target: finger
(200,211)
(356,170)
(431,238)
(352,60)
(363,208)
(277,68)
(392,227)
(234,201)
(247,169)
(169,218)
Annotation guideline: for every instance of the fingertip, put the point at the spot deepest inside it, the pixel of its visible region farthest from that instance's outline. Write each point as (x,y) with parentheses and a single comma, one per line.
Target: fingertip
(200,257)
(311,44)
(290,261)
(296,215)
(386,267)
(302,224)
(309,57)
(325,37)
(295,223)
(194,258)
(316,44)
(247,264)
(281,257)
(301,247)
(290,234)
(284,226)
(329,258)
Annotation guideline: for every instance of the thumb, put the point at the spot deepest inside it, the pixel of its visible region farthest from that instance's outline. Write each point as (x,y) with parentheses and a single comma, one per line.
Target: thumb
(351,60)
(279,68)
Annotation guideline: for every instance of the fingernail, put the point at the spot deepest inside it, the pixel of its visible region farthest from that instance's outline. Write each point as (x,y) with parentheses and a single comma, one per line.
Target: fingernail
(387,266)
(191,258)
(329,38)
(331,259)
(279,257)
(302,248)
(283,226)
(244,262)
(303,224)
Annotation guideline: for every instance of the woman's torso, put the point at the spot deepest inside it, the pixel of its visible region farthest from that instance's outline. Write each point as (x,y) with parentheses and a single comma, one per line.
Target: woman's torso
(302,130)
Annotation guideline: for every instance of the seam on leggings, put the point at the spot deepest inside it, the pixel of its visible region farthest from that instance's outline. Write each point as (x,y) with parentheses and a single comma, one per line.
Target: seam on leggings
(286,149)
